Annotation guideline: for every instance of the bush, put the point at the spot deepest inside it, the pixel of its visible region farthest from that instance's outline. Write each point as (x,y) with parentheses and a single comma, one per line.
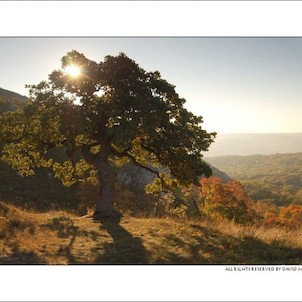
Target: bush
(226,201)
(290,217)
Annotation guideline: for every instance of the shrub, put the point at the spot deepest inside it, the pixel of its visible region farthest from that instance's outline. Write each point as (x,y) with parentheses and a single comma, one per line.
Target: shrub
(290,217)
(228,201)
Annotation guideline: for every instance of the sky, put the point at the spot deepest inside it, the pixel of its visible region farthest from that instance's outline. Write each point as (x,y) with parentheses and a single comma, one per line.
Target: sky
(238,85)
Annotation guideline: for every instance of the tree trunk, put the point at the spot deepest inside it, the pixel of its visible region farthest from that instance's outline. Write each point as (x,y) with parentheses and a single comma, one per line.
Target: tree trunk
(104,206)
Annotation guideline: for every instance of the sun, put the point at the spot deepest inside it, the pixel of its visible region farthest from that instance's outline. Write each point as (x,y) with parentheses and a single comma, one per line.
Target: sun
(73,70)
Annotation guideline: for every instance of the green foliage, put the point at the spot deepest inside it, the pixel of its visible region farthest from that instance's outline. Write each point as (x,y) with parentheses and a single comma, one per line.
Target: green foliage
(113,112)
(70,173)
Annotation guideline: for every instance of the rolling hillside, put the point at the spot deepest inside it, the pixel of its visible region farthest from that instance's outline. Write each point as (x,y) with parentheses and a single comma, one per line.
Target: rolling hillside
(59,237)
(276,178)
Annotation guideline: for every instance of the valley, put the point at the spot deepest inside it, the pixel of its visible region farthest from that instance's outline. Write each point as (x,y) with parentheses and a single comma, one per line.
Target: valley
(275,178)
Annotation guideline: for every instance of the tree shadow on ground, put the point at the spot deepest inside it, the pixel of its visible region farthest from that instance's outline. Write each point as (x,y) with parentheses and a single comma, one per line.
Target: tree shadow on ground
(214,247)
(19,257)
(65,229)
(125,248)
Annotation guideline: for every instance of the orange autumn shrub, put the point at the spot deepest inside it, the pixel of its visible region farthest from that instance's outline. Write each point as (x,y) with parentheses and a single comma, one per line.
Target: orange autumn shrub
(228,201)
(290,216)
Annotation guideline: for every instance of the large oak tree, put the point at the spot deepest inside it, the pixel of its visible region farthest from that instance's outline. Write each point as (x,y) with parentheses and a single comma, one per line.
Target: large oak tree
(108,114)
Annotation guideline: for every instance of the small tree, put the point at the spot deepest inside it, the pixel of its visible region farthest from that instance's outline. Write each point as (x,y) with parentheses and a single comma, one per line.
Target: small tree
(290,217)
(103,116)
(228,201)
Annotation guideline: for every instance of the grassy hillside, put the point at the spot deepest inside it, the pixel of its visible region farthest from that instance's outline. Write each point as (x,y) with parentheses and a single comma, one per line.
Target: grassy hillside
(63,238)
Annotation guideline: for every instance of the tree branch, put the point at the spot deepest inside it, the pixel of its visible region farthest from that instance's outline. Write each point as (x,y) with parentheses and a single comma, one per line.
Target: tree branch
(121,153)
(141,165)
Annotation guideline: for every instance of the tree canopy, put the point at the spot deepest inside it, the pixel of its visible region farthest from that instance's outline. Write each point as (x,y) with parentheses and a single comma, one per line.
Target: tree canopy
(106,115)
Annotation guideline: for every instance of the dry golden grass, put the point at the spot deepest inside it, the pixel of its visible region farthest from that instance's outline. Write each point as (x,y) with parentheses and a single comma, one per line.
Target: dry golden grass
(62,238)
(268,234)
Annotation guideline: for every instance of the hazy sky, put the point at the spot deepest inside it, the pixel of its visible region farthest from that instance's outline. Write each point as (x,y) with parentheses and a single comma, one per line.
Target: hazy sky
(238,85)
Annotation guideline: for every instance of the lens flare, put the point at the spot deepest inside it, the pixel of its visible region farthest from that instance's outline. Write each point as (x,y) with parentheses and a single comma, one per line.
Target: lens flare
(73,70)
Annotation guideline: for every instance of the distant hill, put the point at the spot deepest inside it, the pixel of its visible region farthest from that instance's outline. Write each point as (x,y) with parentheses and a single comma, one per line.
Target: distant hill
(258,143)
(253,166)
(11,101)
(12,95)
(276,178)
